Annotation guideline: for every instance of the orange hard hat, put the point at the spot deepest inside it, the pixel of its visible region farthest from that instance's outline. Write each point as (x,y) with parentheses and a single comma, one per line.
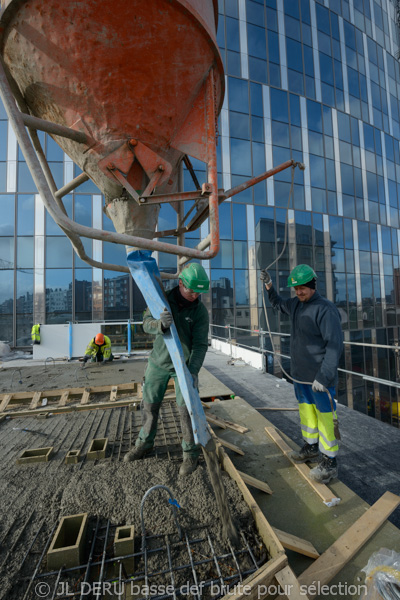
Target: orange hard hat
(99,339)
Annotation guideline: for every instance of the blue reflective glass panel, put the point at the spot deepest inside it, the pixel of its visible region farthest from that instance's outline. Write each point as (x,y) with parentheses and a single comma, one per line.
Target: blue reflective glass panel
(240,255)
(58,295)
(25,252)
(83,209)
(225,227)
(6,253)
(317,168)
(238,95)
(3,140)
(242,297)
(6,293)
(239,222)
(240,157)
(25,214)
(7,211)
(83,294)
(58,252)
(294,55)
(308,61)
(24,293)
(279,105)
(232,34)
(256,40)
(239,125)
(326,66)
(273,47)
(314,116)
(336,232)
(256,100)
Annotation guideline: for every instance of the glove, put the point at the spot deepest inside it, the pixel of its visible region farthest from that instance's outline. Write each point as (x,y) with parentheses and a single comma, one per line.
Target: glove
(195,381)
(265,277)
(317,386)
(103,362)
(166,319)
(86,358)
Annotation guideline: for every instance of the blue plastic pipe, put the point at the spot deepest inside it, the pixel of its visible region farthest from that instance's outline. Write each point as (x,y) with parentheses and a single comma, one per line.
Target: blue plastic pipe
(145,272)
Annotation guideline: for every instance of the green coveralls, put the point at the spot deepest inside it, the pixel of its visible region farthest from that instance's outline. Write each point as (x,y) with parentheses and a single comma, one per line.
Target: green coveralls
(191,320)
(105,350)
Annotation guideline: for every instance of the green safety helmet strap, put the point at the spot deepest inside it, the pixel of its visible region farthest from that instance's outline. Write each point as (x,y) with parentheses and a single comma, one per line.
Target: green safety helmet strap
(195,278)
(301,275)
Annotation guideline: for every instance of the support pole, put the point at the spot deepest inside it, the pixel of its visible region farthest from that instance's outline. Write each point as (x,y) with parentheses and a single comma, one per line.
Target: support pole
(70,341)
(129,337)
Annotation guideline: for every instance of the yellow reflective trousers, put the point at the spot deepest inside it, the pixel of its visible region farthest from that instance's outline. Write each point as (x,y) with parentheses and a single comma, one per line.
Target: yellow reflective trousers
(316,418)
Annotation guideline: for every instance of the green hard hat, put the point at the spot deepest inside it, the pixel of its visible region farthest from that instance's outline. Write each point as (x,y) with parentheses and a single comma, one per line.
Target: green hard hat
(301,275)
(195,278)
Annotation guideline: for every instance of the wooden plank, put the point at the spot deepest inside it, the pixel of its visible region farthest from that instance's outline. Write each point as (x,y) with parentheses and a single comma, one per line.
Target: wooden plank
(35,400)
(275,408)
(265,530)
(113,393)
(85,396)
(297,544)
(260,485)
(76,391)
(255,586)
(236,427)
(322,490)
(290,585)
(216,421)
(205,405)
(347,545)
(226,424)
(231,446)
(63,399)
(4,403)
(73,408)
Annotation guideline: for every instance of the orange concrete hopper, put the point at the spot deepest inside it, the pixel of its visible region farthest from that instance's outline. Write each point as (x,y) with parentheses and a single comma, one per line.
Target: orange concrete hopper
(139,79)
(129,90)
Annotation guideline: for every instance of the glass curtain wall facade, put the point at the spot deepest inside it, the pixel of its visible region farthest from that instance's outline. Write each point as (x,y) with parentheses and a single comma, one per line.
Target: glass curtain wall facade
(316,81)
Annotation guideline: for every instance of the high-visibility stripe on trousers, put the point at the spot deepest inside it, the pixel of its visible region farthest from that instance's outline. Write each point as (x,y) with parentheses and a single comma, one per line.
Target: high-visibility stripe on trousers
(316,418)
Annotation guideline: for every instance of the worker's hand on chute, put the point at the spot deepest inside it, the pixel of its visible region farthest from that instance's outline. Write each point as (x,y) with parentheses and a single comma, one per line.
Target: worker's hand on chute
(166,319)
(195,381)
(265,277)
(317,386)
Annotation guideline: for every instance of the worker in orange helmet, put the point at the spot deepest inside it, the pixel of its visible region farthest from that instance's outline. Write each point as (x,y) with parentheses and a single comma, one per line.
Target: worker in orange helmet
(99,349)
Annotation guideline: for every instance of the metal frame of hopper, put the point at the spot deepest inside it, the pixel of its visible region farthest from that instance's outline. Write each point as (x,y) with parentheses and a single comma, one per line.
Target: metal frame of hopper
(207,199)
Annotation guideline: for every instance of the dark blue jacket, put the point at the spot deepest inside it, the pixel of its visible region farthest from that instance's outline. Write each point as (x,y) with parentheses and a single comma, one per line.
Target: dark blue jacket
(316,341)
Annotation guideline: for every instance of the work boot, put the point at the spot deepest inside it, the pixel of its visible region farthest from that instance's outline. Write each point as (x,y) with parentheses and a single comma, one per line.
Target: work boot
(189,465)
(136,453)
(326,470)
(308,452)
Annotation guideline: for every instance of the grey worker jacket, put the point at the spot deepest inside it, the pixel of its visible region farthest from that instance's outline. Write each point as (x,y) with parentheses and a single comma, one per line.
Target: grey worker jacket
(316,341)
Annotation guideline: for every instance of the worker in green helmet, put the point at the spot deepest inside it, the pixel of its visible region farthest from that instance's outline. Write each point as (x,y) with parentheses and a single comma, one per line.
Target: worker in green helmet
(191,320)
(316,344)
